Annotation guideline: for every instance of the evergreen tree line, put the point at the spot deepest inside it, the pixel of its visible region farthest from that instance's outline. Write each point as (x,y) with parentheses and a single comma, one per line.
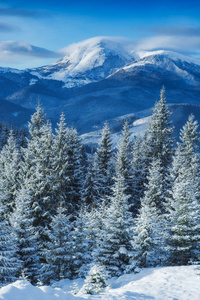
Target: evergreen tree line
(63,215)
(20,134)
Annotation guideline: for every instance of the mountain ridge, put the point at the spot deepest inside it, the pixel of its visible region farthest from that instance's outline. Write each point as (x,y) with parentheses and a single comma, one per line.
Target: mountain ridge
(103,78)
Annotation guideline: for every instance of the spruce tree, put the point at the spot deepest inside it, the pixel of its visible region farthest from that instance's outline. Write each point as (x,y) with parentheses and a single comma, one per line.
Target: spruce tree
(58,251)
(82,256)
(38,176)
(160,132)
(160,141)
(184,208)
(95,282)
(123,161)
(115,250)
(149,241)
(26,237)
(74,171)
(139,165)
(60,163)
(9,261)
(105,163)
(10,161)
(91,188)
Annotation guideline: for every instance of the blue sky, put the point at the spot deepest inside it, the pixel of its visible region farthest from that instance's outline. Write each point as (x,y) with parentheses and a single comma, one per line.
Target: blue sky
(32,33)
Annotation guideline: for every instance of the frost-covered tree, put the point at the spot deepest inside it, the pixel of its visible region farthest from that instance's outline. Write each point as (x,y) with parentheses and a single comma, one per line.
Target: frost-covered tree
(184,208)
(160,133)
(160,141)
(91,188)
(140,164)
(38,119)
(22,138)
(149,240)
(9,262)
(95,282)
(82,256)
(4,134)
(38,175)
(105,164)
(94,226)
(26,237)
(58,252)
(60,163)
(114,251)
(74,170)
(123,161)
(31,153)
(10,160)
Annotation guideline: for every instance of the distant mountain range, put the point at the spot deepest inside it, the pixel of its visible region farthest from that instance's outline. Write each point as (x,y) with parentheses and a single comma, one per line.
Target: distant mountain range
(99,79)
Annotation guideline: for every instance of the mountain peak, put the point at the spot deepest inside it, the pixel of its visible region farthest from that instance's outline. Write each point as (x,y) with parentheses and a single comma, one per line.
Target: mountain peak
(90,60)
(97,58)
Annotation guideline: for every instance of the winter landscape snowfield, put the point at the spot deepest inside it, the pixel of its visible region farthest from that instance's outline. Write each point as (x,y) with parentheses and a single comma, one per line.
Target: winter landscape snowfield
(99,150)
(169,283)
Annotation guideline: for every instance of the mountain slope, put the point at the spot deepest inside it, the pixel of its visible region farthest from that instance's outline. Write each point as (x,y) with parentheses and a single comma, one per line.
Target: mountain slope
(138,123)
(88,61)
(103,78)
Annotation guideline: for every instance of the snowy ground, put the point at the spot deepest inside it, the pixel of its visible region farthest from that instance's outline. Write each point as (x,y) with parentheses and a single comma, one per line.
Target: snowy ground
(170,283)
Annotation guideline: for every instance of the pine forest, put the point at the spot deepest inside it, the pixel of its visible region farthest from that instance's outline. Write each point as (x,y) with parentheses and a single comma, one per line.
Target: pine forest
(68,214)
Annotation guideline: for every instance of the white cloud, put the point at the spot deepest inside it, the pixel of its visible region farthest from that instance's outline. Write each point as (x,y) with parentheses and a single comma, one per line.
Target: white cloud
(183,44)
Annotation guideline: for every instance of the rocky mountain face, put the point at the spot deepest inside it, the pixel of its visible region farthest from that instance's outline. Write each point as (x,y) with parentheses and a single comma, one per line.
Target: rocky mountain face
(102,79)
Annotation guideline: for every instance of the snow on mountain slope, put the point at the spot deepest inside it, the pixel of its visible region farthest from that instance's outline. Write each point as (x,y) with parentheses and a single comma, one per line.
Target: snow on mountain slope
(103,78)
(97,58)
(88,61)
(167,283)
(168,61)
(138,123)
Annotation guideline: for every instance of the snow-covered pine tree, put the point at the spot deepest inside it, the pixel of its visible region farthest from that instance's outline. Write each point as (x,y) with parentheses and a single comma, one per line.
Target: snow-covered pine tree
(82,256)
(95,220)
(38,119)
(105,163)
(95,282)
(114,250)
(4,134)
(60,163)
(140,164)
(74,171)
(31,153)
(58,252)
(123,161)
(91,188)
(160,132)
(149,241)
(184,208)
(10,161)
(67,166)
(37,171)
(160,141)
(22,137)
(26,237)
(9,262)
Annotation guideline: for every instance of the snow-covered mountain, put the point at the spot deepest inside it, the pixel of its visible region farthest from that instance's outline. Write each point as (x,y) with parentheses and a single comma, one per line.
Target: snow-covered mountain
(88,61)
(103,78)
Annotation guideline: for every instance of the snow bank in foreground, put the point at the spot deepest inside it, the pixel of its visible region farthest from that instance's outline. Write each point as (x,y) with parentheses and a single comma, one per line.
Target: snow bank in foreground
(177,283)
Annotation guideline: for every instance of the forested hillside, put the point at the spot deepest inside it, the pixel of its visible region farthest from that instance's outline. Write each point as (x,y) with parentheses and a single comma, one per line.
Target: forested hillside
(64,214)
